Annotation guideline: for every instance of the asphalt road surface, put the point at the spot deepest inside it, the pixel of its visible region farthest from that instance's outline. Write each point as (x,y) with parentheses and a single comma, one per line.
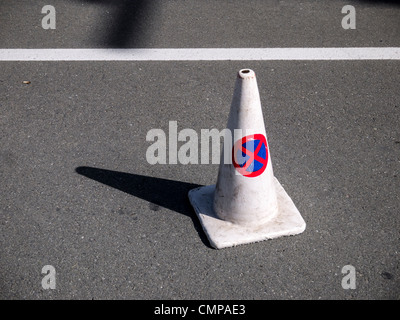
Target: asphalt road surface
(76,190)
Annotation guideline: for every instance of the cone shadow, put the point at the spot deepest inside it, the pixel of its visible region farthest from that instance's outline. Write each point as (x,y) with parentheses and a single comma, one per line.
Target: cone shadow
(170,194)
(129,24)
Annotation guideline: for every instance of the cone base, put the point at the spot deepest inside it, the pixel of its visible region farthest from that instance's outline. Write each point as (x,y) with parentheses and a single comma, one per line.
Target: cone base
(223,234)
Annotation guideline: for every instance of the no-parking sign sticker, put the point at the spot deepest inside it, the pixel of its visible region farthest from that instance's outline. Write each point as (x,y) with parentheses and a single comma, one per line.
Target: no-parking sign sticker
(250,155)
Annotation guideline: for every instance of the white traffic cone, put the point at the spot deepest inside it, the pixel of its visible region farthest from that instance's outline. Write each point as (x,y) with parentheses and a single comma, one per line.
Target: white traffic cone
(247,204)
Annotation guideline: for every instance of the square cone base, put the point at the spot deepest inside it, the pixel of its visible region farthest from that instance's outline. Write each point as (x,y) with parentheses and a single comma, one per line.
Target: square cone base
(223,234)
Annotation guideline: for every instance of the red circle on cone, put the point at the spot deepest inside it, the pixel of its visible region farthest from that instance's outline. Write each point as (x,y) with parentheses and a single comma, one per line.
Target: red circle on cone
(250,155)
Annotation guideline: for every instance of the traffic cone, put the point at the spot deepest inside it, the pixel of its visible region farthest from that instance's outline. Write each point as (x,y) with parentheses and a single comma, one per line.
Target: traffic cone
(247,204)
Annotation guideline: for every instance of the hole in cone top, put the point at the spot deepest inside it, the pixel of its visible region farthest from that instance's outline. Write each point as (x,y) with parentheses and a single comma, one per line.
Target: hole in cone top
(246,73)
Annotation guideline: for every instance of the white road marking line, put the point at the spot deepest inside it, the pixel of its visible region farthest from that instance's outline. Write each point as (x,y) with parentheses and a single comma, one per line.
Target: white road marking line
(201,54)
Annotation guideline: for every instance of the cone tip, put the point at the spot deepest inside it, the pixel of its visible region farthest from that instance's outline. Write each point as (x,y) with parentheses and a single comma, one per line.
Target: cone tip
(246,74)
